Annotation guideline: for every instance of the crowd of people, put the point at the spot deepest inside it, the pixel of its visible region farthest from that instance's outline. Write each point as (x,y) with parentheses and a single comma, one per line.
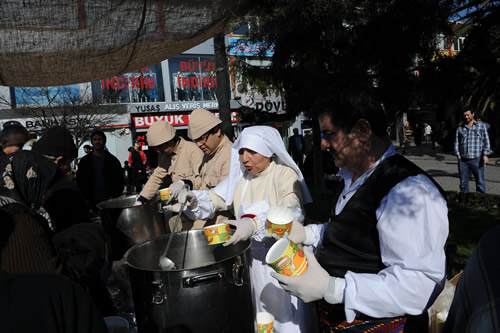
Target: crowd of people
(50,251)
(377,264)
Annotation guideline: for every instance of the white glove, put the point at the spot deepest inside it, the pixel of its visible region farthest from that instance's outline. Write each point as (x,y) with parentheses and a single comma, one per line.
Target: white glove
(313,284)
(174,208)
(137,203)
(176,188)
(184,195)
(188,197)
(298,233)
(266,233)
(244,230)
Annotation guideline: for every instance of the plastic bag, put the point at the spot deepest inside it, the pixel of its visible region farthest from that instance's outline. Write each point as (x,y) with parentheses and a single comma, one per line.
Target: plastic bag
(439,310)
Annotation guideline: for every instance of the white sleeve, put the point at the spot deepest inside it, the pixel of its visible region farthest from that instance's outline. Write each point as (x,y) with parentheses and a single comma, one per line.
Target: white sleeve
(413,228)
(204,210)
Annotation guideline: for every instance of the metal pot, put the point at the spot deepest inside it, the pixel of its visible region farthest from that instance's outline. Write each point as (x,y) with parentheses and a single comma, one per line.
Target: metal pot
(209,292)
(126,225)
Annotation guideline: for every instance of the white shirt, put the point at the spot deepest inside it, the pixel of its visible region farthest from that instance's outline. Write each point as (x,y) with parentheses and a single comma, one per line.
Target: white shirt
(428,130)
(413,228)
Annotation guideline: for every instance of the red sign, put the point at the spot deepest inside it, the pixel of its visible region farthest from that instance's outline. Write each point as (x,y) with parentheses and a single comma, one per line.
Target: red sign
(193,81)
(140,121)
(141,140)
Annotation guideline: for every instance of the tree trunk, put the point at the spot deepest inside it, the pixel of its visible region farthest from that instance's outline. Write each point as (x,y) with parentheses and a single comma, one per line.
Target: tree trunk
(319,177)
(223,87)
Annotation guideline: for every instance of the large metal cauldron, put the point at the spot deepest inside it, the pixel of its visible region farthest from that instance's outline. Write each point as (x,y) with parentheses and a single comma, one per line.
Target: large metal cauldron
(126,225)
(208,292)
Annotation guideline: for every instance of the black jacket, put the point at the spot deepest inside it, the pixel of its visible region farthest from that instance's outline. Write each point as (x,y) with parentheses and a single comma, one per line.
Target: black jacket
(113,175)
(41,302)
(292,145)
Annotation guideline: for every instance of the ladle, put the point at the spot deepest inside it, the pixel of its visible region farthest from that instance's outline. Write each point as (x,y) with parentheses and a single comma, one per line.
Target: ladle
(165,263)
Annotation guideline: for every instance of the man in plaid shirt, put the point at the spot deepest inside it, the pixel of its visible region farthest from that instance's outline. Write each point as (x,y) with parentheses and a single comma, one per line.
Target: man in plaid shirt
(472,147)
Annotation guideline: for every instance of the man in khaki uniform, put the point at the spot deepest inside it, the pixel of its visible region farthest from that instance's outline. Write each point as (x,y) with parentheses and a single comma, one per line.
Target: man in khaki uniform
(205,130)
(178,158)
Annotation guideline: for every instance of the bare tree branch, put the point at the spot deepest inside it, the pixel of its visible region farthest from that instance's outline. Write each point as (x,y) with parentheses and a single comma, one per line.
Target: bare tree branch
(67,106)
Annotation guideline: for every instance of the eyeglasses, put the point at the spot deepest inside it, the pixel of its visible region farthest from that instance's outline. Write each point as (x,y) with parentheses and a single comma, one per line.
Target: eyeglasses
(202,139)
(327,135)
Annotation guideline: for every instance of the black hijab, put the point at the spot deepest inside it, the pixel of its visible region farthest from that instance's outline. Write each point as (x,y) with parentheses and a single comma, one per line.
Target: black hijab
(26,177)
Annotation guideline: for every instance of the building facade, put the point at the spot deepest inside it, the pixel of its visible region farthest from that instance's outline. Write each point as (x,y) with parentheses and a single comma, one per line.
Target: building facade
(167,91)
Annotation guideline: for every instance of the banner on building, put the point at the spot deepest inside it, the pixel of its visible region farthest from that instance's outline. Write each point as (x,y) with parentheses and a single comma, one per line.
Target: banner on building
(139,121)
(178,106)
(245,47)
(192,78)
(142,85)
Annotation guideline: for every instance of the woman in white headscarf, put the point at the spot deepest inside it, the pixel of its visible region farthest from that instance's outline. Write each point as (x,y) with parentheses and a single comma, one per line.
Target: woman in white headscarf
(262,175)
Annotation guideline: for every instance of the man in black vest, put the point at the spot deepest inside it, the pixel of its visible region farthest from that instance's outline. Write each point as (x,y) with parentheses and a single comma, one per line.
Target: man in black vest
(380,258)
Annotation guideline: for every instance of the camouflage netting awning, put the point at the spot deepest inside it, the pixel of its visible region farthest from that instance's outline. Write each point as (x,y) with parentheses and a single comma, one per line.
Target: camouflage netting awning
(46,43)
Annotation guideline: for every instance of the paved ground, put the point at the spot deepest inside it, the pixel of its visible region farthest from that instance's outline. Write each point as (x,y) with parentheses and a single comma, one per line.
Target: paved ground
(443,167)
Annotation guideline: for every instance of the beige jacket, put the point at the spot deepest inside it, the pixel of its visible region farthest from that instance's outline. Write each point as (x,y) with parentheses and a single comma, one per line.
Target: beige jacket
(183,164)
(215,167)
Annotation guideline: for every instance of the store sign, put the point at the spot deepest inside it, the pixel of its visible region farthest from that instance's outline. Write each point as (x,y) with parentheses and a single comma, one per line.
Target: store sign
(271,103)
(245,47)
(176,106)
(33,125)
(173,119)
(249,97)
(142,140)
(36,125)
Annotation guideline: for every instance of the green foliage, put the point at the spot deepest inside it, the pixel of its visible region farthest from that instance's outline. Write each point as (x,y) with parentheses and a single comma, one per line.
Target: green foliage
(474,200)
(469,79)
(248,115)
(471,215)
(325,50)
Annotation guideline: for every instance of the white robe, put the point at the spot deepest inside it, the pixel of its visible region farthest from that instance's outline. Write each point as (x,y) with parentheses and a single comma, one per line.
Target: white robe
(277,185)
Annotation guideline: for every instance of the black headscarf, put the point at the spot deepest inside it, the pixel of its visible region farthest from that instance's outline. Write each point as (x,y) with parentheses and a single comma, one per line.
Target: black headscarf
(26,176)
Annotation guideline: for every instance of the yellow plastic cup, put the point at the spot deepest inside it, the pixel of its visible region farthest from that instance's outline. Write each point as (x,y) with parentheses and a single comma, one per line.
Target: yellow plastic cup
(279,220)
(217,233)
(287,258)
(265,322)
(164,194)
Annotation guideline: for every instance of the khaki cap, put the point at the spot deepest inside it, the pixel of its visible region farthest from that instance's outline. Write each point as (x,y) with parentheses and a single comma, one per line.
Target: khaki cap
(159,133)
(201,122)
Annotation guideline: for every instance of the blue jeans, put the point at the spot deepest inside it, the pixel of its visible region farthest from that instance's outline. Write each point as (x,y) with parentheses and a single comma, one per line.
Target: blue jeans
(466,166)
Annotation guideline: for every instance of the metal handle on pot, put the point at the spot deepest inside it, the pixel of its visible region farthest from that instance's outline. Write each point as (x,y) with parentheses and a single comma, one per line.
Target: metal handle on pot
(238,272)
(190,282)
(158,289)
